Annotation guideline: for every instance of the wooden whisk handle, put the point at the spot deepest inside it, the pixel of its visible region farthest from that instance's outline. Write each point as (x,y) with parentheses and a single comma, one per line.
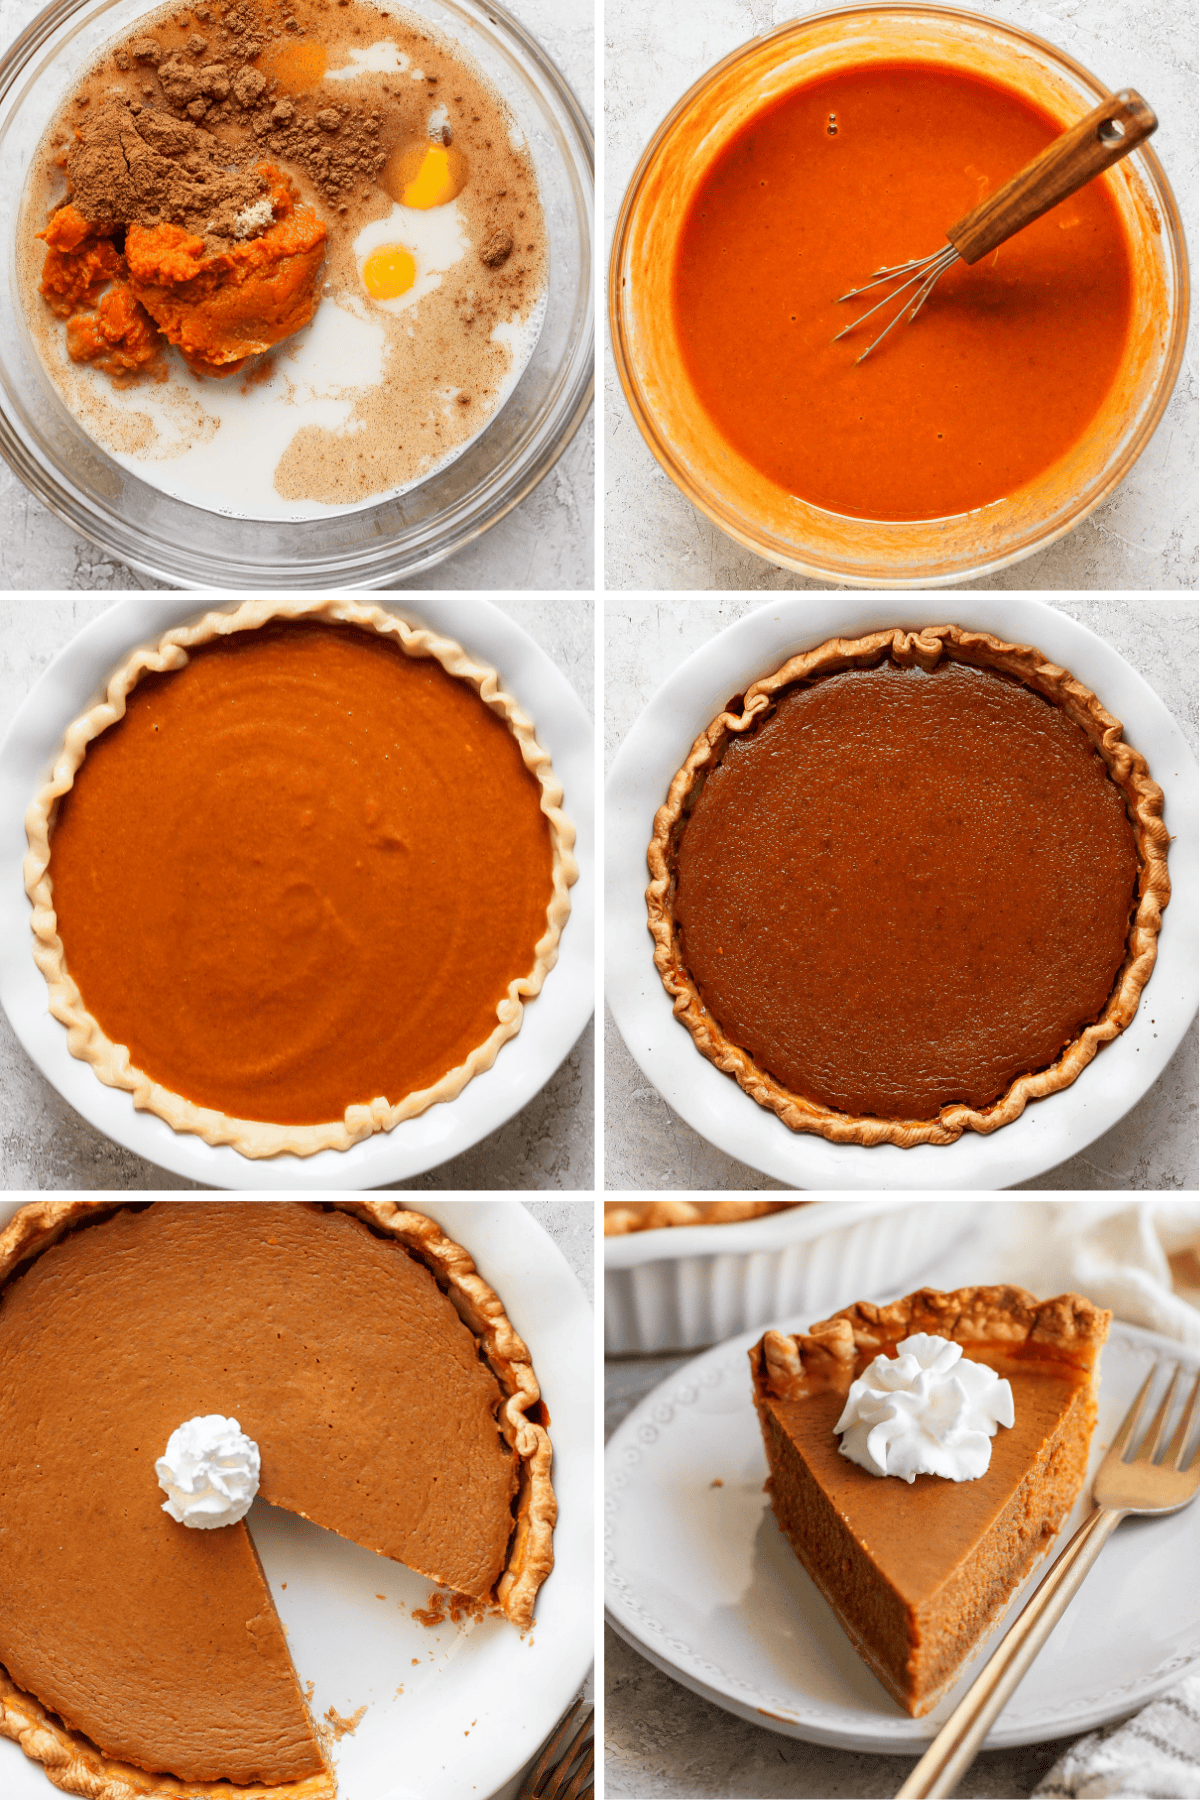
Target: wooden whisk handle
(1109,132)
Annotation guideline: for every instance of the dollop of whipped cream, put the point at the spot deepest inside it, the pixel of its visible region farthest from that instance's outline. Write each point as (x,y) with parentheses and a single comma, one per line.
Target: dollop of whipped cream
(926,1411)
(210,1472)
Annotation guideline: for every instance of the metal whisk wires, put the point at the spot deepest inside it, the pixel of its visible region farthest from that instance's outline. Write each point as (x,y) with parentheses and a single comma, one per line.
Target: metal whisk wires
(922,275)
(1109,132)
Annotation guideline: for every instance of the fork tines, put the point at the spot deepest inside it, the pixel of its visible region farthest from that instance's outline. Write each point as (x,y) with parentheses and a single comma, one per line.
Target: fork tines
(1151,1444)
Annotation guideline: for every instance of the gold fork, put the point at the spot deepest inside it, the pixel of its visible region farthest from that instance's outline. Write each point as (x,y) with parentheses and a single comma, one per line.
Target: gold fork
(564,1781)
(1145,1486)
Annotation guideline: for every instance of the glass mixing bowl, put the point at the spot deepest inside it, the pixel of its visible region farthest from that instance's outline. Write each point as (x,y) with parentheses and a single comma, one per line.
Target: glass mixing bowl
(173,542)
(712,475)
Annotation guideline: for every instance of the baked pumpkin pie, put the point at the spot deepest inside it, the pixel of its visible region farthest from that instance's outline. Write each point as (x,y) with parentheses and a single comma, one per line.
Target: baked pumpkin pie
(907,883)
(391,1401)
(295,878)
(624,1216)
(918,1572)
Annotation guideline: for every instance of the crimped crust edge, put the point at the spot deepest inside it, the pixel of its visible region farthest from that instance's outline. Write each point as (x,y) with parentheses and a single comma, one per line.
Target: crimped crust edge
(1067,1328)
(623,1217)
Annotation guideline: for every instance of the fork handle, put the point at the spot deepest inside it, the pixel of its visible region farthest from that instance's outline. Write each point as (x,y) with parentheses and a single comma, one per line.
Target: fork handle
(954,1748)
(1109,132)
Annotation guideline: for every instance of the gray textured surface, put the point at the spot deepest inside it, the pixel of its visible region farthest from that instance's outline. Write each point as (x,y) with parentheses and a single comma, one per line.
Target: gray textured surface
(1142,536)
(647,1145)
(44,1144)
(548,542)
(662,1740)
(572,1225)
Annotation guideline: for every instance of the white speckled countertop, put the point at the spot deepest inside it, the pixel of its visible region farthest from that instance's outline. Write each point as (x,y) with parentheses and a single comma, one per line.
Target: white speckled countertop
(1143,536)
(548,542)
(45,1144)
(648,1146)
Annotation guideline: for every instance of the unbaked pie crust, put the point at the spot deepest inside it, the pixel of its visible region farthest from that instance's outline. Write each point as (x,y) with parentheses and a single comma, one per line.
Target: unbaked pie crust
(85,1038)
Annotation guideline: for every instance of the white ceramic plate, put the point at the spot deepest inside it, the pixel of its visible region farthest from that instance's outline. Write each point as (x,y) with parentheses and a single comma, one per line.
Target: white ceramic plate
(477,1701)
(1049,1130)
(551,1023)
(700,1579)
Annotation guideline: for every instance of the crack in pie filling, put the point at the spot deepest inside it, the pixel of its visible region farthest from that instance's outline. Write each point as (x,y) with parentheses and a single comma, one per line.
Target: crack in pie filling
(391,1400)
(906,883)
(295,879)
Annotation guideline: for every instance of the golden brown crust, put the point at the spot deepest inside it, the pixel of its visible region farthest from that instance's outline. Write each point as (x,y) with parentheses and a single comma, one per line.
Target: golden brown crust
(924,648)
(77,1766)
(1066,1329)
(531,1551)
(111,1062)
(624,1216)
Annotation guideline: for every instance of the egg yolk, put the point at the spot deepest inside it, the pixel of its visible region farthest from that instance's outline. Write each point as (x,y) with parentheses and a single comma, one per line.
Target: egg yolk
(296,67)
(425,175)
(388,272)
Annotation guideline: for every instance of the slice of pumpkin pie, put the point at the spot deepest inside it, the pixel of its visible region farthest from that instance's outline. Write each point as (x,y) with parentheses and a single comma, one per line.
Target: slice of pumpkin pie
(914,1491)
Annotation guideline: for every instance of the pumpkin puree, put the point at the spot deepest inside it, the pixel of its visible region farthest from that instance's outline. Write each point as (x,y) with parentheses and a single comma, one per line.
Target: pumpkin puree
(1004,368)
(82,282)
(300,873)
(218,308)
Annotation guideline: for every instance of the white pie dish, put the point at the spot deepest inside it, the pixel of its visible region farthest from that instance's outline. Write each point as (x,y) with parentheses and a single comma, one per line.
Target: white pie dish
(701,1581)
(546,1036)
(479,1700)
(1048,1131)
(685,1286)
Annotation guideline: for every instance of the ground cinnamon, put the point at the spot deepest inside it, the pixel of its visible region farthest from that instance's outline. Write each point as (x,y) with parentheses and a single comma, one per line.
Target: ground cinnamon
(132,165)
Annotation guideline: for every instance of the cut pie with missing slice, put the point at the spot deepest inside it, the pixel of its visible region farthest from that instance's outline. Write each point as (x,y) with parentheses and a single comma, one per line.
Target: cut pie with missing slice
(391,1400)
(917,1574)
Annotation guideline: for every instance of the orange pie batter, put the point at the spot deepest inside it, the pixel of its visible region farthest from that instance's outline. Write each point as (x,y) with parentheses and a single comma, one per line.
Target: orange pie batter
(1002,371)
(302,873)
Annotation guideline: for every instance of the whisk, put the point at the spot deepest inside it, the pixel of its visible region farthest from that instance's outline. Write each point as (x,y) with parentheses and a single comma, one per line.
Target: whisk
(1109,132)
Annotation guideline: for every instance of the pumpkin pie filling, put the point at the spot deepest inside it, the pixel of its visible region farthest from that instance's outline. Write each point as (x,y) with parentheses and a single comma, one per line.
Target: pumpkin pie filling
(308,872)
(955,847)
(390,1399)
(891,883)
(918,1572)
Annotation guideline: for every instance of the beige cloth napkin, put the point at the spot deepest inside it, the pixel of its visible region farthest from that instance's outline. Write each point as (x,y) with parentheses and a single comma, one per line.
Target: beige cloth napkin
(1139,1258)
(1143,1261)
(1153,1756)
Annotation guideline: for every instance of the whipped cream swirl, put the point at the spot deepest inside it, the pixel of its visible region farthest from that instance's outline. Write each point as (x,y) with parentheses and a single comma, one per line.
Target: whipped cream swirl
(210,1472)
(926,1411)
